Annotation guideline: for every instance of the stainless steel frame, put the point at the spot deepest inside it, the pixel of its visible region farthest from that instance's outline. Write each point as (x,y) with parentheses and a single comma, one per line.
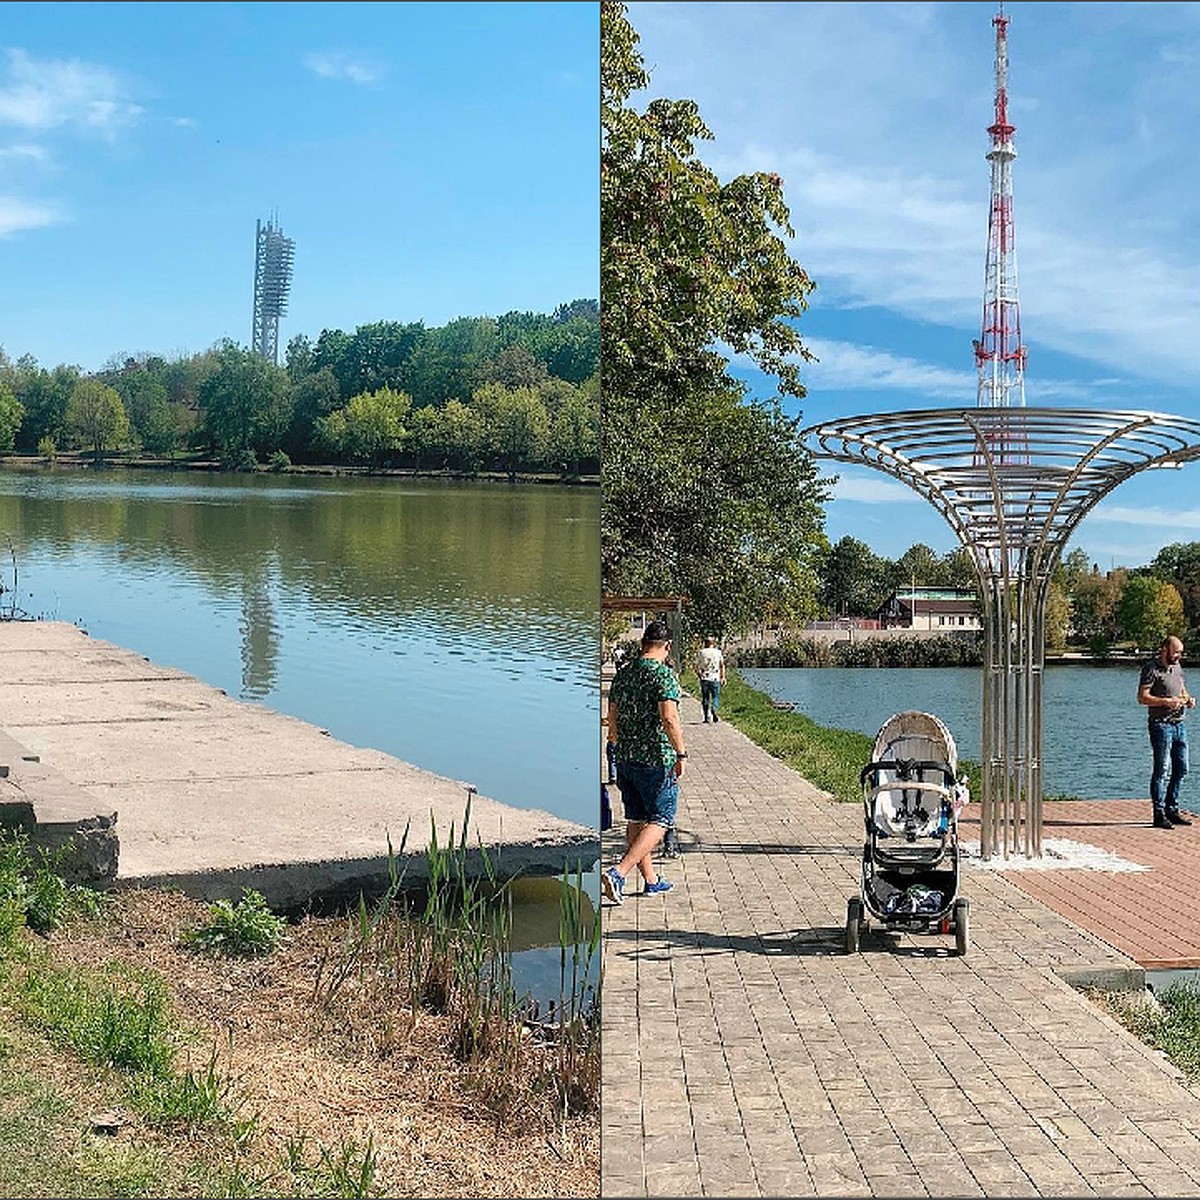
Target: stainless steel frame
(1013,484)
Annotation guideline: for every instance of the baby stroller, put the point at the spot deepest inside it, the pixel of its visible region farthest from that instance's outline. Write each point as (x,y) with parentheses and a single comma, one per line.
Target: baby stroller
(911,801)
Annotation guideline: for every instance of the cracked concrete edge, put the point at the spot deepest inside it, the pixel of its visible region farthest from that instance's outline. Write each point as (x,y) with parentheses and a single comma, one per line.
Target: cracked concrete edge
(1114,978)
(296,886)
(57,816)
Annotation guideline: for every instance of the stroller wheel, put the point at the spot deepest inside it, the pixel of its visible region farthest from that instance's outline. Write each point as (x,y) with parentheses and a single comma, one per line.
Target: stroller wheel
(962,926)
(854,923)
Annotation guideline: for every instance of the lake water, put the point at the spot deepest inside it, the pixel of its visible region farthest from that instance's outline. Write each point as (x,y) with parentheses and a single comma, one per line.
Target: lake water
(453,625)
(1095,745)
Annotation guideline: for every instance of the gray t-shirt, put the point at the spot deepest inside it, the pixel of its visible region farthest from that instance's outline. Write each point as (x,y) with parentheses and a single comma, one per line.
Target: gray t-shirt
(1163,681)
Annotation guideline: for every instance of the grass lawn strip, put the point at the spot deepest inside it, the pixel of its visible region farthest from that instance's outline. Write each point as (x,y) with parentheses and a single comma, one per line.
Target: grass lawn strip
(831,759)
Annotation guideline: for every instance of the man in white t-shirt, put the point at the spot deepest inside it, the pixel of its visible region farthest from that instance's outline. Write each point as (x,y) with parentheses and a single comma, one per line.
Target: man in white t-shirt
(710,667)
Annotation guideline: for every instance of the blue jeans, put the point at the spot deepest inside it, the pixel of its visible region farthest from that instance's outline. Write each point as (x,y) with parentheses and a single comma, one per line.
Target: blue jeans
(710,696)
(1169,743)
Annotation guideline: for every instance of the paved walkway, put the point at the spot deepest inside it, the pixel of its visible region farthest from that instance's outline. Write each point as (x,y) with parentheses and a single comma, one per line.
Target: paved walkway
(745,1055)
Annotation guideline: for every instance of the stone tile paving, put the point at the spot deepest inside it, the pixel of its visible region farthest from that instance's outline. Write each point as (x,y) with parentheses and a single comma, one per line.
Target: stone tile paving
(745,1055)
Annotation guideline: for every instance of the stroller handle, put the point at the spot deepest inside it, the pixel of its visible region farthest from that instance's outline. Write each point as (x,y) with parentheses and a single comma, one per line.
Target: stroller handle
(911,765)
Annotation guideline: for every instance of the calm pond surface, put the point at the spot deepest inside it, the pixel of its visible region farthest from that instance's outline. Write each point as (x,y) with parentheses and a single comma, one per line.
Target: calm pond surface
(1094,731)
(453,625)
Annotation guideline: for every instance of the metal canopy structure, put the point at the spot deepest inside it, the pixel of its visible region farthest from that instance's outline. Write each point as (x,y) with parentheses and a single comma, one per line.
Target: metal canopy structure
(1013,483)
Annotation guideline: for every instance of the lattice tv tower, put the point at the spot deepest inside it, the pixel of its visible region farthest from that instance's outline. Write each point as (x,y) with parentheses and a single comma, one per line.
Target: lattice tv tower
(272,280)
(999,354)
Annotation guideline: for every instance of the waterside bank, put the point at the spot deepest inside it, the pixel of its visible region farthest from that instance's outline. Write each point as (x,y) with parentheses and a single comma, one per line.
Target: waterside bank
(211,795)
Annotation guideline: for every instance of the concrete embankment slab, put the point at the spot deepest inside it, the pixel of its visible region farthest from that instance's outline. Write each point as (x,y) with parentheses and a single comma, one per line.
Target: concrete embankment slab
(212,794)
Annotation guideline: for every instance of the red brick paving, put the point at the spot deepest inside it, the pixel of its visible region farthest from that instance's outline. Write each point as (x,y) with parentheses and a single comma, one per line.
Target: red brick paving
(1152,916)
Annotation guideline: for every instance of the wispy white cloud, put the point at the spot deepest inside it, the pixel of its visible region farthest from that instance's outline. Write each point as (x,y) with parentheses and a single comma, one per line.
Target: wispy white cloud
(912,244)
(184,122)
(47,94)
(849,366)
(341,64)
(866,489)
(17,214)
(877,129)
(1152,517)
(844,366)
(25,152)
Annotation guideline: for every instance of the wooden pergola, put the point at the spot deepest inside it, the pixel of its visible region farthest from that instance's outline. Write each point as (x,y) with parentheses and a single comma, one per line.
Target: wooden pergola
(670,608)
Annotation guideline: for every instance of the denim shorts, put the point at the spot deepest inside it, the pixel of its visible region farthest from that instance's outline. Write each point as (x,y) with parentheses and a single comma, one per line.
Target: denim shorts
(649,795)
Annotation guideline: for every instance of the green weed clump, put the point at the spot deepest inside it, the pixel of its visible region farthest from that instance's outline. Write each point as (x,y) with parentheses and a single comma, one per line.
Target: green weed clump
(1172,1025)
(244,929)
(33,891)
(577,1045)
(447,949)
(111,1017)
(350,1170)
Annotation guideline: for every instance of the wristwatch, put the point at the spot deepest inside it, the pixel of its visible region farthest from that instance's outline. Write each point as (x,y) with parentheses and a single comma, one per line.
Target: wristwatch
(681,754)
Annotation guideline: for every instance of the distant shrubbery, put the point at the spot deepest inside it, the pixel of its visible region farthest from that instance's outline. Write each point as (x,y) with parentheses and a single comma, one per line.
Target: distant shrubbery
(958,651)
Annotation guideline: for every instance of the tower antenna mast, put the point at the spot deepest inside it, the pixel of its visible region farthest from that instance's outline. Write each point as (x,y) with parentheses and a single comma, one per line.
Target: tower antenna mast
(999,353)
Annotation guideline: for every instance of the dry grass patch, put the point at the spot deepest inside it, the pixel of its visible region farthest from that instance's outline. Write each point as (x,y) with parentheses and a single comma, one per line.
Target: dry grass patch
(357,1096)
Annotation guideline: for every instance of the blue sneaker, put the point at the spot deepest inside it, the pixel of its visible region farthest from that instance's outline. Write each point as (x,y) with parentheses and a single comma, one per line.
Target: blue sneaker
(613,886)
(659,885)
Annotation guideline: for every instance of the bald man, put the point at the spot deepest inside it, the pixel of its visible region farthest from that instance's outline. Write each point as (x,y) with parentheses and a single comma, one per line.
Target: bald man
(1162,690)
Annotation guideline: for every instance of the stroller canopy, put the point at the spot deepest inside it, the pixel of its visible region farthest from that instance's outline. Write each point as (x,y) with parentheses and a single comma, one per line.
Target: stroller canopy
(916,735)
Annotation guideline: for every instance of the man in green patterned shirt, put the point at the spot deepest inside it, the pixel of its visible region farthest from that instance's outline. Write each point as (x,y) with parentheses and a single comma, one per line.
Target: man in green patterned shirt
(644,727)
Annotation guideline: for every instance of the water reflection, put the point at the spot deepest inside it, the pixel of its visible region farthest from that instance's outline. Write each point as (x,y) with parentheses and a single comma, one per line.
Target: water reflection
(260,639)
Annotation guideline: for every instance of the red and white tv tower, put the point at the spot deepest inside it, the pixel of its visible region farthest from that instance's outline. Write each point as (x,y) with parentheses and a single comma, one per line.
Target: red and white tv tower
(999,354)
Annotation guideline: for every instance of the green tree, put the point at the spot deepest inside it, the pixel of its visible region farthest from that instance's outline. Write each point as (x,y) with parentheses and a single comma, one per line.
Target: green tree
(1070,569)
(717,506)
(314,396)
(300,358)
(1058,616)
(148,404)
(96,417)
(957,569)
(686,261)
(515,426)
(1179,563)
(451,362)
(376,356)
(1149,610)
(463,433)
(1094,604)
(45,396)
(854,580)
(706,493)
(246,403)
(371,427)
(918,566)
(427,435)
(575,428)
(12,412)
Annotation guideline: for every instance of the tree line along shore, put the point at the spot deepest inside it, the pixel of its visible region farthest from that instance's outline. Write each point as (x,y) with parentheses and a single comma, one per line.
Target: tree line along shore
(512,395)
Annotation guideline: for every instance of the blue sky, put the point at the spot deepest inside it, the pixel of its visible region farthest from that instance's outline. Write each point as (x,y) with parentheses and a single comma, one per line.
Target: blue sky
(431,161)
(875,115)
